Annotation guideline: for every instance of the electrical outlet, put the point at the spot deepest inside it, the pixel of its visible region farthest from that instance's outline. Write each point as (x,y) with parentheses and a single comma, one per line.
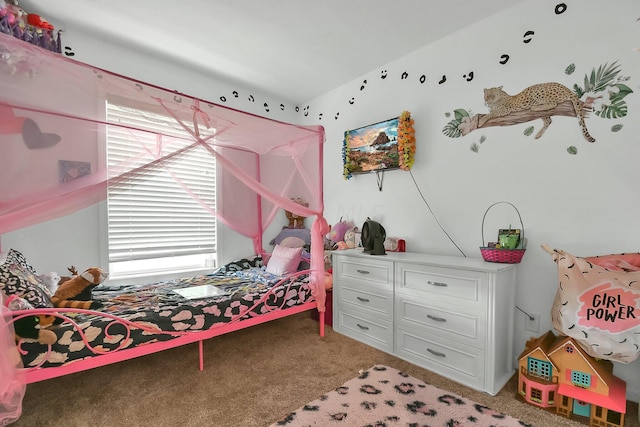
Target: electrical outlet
(532,323)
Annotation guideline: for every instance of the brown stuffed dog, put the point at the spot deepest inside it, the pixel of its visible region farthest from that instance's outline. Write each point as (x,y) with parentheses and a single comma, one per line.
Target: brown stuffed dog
(76,292)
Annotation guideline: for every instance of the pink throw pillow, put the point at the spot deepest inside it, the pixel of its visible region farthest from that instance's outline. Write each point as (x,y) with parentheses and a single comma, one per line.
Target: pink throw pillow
(284,260)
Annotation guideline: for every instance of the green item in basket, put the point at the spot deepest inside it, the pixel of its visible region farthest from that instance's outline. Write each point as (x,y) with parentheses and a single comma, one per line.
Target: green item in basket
(509,238)
(508,241)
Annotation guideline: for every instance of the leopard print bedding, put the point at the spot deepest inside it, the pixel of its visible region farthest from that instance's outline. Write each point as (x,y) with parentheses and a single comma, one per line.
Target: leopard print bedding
(157,306)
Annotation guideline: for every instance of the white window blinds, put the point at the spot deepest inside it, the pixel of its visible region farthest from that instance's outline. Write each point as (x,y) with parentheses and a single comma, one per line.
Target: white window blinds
(151,215)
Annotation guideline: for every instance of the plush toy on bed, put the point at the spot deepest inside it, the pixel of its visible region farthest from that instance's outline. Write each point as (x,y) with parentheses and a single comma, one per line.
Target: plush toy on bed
(30,327)
(74,273)
(50,281)
(76,292)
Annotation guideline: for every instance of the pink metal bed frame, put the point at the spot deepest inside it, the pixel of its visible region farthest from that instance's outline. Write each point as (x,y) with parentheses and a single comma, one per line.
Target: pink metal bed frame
(102,358)
(52,91)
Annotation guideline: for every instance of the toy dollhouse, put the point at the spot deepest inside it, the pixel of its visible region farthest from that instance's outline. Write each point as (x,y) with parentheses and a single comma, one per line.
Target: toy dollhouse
(556,374)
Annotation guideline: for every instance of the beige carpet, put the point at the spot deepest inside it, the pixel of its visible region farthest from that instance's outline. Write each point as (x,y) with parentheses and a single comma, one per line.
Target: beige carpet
(252,378)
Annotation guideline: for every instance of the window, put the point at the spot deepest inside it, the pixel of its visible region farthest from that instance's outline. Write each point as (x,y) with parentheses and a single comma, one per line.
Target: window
(614,418)
(154,225)
(536,394)
(539,368)
(580,379)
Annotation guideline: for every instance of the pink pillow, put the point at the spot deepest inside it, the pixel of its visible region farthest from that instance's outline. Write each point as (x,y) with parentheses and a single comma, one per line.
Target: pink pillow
(284,260)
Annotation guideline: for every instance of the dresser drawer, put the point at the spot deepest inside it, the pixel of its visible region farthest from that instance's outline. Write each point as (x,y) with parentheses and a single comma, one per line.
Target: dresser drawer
(371,271)
(374,332)
(445,357)
(449,314)
(377,301)
(468,326)
(459,286)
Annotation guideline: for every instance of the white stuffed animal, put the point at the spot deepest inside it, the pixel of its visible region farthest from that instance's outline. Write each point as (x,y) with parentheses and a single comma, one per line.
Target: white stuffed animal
(51,281)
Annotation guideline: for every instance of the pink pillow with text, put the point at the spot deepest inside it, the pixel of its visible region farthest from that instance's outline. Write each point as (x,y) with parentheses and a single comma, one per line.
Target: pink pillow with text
(284,260)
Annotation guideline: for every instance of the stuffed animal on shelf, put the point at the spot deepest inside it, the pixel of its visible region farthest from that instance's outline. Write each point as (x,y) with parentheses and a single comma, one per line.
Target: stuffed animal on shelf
(15,15)
(30,327)
(4,13)
(296,221)
(76,292)
(38,21)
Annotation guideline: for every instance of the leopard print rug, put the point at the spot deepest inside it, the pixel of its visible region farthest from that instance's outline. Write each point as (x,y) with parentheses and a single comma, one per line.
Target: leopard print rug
(385,397)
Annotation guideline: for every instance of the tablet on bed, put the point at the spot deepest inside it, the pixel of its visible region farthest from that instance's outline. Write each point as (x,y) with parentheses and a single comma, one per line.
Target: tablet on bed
(198,292)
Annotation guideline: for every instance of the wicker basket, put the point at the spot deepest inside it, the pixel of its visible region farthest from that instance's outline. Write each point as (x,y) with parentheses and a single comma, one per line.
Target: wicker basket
(505,256)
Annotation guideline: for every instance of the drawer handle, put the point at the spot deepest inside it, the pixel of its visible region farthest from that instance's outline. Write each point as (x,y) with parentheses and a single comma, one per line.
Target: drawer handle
(437,319)
(362,299)
(441,284)
(364,328)
(363,271)
(436,353)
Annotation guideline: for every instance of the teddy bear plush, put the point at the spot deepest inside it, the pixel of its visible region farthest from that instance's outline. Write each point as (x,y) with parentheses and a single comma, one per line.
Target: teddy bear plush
(296,221)
(76,292)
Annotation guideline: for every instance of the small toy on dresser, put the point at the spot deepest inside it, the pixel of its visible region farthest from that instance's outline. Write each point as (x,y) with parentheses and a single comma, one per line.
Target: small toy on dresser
(296,221)
(76,292)
(342,235)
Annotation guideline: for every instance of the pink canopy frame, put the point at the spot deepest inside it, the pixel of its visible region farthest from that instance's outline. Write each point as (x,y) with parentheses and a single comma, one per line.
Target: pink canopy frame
(53,108)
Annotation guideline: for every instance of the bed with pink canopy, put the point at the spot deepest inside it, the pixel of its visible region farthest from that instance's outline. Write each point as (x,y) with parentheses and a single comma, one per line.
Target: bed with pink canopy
(53,108)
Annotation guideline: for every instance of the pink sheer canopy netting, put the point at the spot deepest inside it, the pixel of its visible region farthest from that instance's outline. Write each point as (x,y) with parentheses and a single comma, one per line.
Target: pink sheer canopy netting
(53,108)
(12,387)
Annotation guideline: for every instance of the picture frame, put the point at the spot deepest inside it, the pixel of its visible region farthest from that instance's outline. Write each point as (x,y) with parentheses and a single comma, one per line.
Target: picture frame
(68,170)
(372,148)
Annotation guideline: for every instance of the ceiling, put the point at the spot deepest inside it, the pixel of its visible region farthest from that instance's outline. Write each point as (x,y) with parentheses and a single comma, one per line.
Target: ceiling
(295,49)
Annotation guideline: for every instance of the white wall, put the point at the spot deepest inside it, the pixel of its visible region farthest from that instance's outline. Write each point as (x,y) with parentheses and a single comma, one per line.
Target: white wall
(586,204)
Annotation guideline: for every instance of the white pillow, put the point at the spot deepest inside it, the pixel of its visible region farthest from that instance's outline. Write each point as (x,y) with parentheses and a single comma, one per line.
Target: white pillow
(284,260)
(292,242)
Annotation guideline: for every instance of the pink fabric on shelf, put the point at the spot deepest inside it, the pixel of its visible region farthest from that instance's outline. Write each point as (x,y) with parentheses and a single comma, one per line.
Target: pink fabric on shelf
(52,108)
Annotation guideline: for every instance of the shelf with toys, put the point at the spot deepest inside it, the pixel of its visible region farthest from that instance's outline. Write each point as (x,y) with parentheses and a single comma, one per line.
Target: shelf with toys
(29,27)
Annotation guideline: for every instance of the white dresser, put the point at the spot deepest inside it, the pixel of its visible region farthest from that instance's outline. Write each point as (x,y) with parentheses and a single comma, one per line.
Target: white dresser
(451,315)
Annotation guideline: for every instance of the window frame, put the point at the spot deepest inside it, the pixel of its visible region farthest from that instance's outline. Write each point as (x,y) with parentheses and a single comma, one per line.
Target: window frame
(154,267)
(540,368)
